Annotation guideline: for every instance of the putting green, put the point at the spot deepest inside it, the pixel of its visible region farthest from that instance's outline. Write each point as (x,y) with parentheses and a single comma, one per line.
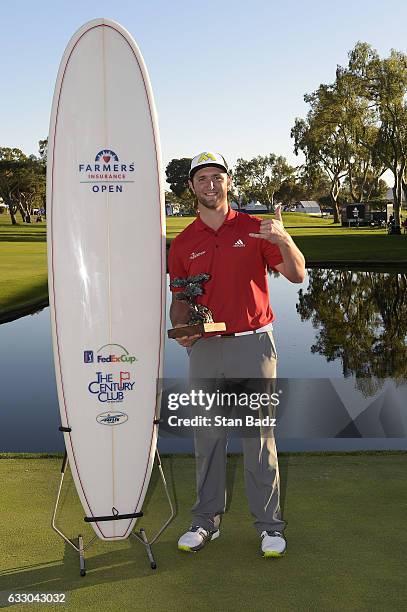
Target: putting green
(346,542)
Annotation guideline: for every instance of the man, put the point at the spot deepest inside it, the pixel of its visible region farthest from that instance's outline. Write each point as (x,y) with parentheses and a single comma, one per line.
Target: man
(235,249)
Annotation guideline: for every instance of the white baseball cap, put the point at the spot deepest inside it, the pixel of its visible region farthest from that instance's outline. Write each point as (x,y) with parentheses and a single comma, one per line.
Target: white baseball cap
(205,159)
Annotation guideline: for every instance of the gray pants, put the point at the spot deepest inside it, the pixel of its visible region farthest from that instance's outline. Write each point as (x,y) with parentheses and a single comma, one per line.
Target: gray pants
(216,360)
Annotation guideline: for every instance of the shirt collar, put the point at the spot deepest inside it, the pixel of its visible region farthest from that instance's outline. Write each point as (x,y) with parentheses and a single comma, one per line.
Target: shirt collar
(229,219)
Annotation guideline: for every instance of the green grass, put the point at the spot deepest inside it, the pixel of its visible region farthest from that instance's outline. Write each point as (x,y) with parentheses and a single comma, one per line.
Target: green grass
(34,232)
(346,542)
(23,267)
(291,220)
(321,240)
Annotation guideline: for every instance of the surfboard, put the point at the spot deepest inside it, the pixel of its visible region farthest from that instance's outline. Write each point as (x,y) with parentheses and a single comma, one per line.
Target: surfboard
(106,264)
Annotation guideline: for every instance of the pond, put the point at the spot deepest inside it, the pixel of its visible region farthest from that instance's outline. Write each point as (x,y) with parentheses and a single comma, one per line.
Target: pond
(341,334)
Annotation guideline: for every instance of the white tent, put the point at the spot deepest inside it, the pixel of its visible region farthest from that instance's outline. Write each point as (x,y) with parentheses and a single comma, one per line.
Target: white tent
(309,207)
(255,207)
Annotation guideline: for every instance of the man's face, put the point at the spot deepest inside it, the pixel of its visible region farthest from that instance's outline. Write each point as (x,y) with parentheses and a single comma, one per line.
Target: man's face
(210,186)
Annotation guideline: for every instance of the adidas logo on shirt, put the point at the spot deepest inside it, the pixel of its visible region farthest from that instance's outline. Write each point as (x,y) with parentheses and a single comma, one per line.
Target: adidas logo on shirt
(239,243)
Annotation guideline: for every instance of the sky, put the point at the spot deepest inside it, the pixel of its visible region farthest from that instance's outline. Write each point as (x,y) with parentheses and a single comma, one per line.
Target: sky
(227,76)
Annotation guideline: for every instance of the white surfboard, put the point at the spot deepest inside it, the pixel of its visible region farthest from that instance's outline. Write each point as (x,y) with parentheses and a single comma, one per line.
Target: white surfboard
(106,253)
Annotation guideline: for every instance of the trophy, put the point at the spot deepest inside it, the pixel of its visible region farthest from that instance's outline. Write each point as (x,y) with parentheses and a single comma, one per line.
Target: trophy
(195,318)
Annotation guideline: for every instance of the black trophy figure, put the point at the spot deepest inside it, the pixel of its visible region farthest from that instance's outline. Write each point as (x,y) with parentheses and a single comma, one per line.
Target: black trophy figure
(197,318)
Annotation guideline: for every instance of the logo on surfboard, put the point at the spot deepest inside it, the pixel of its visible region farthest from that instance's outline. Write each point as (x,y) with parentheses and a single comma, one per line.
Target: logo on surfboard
(88,356)
(109,388)
(105,156)
(105,355)
(112,418)
(107,174)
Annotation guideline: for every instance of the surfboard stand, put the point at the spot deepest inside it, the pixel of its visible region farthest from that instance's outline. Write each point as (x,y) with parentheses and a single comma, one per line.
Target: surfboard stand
(140,536)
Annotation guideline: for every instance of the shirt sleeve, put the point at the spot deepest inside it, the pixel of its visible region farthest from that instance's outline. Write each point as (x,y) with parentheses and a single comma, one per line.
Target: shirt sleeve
(176,267)
(271,254)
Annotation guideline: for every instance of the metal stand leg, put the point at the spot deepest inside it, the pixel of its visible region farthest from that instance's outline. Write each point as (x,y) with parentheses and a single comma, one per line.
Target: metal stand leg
(81,557)
(149,552)
(141,536)
(80,548)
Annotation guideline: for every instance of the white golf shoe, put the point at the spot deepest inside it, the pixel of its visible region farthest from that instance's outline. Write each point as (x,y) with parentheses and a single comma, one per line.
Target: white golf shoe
(273,543)
(196,538)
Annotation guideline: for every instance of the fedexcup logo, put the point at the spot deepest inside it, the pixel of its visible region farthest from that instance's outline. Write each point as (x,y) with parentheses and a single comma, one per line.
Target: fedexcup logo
(107,174)
(108,354)
(112,418)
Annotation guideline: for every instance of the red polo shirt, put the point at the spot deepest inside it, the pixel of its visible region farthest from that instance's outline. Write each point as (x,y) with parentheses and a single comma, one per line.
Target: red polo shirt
(237,292)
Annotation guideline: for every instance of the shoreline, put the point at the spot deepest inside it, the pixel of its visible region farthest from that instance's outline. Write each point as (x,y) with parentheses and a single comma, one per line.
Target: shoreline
(390,266)
(13,314)
(364,453)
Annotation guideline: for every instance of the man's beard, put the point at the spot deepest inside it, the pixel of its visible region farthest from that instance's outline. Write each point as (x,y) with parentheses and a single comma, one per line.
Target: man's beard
(210,203)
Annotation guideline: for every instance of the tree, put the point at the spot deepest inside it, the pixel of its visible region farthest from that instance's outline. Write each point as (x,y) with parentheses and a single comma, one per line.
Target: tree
(304,185)
(383,83)
(356,121)
(43,151)
(324,151)
(340,136)
(290,191)
(369,187)
(177,173)
(32,188)
(324,139)
(22,182)
(185,202)
(261,177)
(11,162)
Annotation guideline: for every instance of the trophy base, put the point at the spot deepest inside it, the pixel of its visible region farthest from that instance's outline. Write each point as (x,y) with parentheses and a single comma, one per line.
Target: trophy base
(196,328)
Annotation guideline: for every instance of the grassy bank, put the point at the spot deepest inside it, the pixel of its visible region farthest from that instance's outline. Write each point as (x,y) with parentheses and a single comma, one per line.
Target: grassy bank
(23,270)
(346,544)
(23,266)
(324,241)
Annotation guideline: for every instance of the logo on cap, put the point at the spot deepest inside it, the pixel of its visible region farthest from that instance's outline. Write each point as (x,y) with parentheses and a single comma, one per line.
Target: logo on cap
(205,156)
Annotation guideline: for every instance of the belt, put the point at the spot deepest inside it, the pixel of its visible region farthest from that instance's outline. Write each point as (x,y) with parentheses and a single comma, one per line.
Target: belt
(260,330)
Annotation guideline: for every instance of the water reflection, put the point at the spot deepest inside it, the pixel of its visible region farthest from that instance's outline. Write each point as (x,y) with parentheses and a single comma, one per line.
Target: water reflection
(345,327)
(361,319)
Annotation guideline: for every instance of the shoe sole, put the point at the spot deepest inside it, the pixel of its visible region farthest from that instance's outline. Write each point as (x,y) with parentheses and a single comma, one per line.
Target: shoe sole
(273,554)
(196,548)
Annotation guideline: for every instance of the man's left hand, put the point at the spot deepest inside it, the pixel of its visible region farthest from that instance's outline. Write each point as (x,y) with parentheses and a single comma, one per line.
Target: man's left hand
(273,229)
